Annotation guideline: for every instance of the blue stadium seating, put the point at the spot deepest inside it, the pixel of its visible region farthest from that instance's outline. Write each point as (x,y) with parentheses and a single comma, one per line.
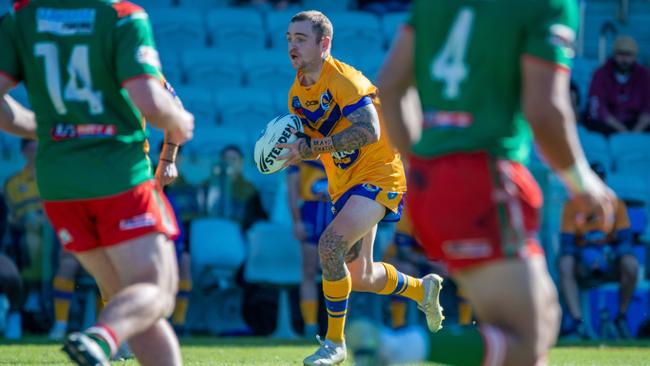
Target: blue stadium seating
(631,152)
(356,31)
(200,102)
(628,186)
(155,138)
(204,4)
(172,35)
(211,68)
(327,6)
(370,64)
(277,23)
(245,109)
(280,267)
(209,140)
(391,23)
(268,69)
(217,250)
(195,168)
(596,148)
(236,30)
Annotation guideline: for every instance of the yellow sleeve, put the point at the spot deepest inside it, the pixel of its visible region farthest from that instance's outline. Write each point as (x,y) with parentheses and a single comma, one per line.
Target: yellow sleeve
(351,91)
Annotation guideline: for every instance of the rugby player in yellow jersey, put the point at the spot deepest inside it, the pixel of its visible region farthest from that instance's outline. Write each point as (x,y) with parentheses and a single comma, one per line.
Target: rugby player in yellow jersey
(341,115)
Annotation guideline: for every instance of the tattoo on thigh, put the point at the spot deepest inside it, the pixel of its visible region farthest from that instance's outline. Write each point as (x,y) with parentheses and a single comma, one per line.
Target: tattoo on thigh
(332,249)
(353,253)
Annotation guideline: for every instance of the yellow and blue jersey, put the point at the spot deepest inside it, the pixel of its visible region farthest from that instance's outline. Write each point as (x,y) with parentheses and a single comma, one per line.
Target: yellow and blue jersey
(591,234)
(312,180)
(22,196)
(323,108)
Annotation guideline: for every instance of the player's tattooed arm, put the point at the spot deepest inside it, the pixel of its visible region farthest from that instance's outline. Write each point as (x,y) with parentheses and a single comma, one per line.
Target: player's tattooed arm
(363,131)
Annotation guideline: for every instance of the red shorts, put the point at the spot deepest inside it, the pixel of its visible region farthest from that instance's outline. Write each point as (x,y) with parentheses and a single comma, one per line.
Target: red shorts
(470,208)
(87,224)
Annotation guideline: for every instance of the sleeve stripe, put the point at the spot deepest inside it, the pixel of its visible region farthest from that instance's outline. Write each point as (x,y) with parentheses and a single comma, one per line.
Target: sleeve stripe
(353,107)
(554,65)
(9,76)
(135,16)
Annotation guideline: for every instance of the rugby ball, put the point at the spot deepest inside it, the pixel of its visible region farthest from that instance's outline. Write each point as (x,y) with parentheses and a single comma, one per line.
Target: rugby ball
(277,131)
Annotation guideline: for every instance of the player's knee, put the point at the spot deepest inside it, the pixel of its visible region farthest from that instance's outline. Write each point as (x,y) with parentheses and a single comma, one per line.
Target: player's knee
(330,250)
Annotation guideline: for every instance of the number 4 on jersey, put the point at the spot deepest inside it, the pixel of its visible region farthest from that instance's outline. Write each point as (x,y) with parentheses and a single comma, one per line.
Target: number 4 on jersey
(447,65)
(79,87)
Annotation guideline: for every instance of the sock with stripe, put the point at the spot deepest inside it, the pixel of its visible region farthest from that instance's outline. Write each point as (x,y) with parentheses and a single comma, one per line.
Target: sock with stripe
(309,310)
(105,338)
(464,309)
(182,303)
(398,306)
(397,283)
(468,346)
(62,294)
(336,294)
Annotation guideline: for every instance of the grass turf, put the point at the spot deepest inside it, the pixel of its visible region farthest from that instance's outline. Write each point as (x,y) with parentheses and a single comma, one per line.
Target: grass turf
(261,351)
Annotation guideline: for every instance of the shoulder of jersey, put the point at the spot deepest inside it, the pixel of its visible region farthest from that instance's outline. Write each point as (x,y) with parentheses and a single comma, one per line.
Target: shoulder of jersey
(126,8)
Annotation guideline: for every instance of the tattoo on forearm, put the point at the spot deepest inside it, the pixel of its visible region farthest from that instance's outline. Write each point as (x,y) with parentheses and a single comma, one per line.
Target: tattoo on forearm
(361,133)
(332,249)
(322,145)
(304,150)
(353,253)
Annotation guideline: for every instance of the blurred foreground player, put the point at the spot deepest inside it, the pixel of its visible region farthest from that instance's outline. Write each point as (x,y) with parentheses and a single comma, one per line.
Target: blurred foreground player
(92,75)
(473,203)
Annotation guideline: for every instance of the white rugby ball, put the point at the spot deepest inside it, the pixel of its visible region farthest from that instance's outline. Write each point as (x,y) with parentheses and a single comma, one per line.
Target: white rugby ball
(277,131)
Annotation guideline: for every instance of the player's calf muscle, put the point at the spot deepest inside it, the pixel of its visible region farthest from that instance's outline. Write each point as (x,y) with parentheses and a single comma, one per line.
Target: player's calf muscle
(332,248)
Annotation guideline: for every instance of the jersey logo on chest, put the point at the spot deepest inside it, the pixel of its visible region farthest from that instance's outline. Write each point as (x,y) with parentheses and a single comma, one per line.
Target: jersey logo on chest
(323,118)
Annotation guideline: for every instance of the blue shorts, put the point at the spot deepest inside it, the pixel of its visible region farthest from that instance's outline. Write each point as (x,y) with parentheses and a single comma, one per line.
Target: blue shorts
(315,216)
(393,201)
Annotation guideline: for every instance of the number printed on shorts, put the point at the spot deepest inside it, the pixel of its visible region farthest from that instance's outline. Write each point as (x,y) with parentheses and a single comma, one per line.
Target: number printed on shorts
(448,64)
(79,87)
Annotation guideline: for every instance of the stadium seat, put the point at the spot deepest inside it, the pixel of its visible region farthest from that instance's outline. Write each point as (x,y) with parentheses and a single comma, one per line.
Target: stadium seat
(280,266)
(356,31)
(631,152)
(277,23)
(200,102)
(246,109)
(268,69)
(10,165)
(209,140)
(195,168)
(236,30)
(173,70)
(153,4)
(629,186)
(370,64)
(327,6)
(391,23)
(583,69)
(172,34)
(204,4)
(280,101)
(596,148)
(217,250)
(212,68)
(281,213)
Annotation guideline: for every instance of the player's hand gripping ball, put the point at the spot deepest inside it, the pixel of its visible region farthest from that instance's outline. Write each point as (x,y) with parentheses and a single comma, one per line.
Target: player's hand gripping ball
(277,131)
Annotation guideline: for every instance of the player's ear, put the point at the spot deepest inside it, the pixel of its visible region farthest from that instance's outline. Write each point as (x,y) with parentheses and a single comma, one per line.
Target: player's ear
(326,44)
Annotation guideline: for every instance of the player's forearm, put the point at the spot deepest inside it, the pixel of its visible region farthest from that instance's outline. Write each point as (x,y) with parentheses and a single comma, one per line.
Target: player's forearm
(155,103)
(363,131)
(16,119)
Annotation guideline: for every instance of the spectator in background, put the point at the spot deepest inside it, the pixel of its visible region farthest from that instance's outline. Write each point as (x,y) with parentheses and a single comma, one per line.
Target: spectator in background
(229,195)
(619,95)
(26,220)
(588,256)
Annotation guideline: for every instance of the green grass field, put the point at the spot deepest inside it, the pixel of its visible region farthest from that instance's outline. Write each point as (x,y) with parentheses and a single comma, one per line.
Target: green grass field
(260,351)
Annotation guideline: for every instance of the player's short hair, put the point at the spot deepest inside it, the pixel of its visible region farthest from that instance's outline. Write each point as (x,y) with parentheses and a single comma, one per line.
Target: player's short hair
(321,25)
